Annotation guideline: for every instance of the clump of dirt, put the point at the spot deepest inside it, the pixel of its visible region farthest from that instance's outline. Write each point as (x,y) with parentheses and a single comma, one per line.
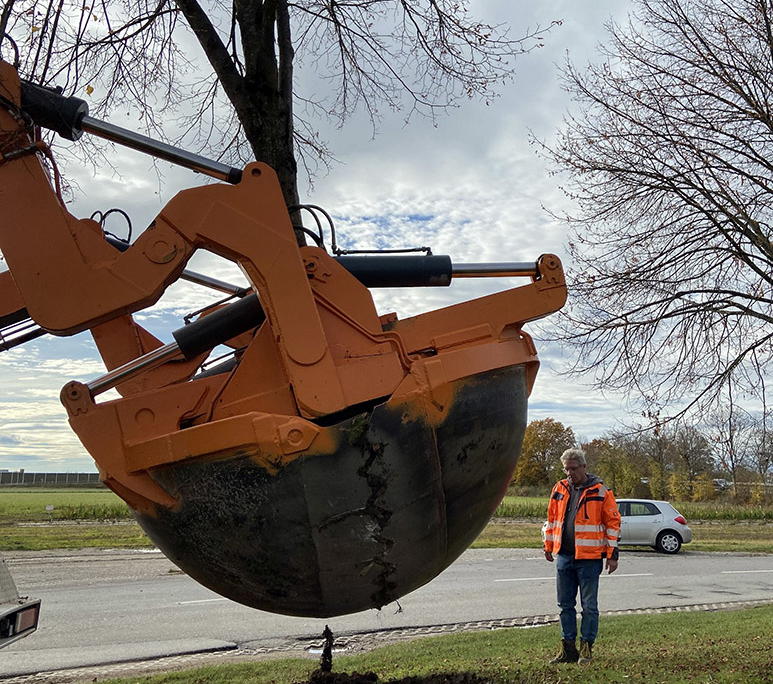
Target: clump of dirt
(444,678)
(322,677)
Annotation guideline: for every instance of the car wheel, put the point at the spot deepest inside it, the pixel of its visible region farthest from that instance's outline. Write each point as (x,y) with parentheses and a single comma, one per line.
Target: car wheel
(668,542)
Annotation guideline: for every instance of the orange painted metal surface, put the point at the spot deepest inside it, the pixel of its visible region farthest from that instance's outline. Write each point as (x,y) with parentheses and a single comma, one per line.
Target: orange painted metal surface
(369,434)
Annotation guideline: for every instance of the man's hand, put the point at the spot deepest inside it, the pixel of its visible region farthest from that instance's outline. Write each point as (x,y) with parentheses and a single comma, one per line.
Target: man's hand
(548,556)
(611,565)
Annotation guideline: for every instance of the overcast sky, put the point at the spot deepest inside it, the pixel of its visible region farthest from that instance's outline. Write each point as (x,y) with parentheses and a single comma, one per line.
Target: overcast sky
(469,185)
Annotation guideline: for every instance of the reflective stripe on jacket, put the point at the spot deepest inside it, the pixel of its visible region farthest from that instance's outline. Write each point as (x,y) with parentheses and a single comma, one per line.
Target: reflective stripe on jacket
(596,526)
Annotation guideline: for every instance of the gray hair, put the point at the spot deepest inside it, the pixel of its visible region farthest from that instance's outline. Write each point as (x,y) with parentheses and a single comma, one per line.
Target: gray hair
(573,455)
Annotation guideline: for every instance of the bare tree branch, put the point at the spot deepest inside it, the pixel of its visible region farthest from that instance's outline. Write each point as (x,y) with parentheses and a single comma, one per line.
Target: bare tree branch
(669,162)
(237,103)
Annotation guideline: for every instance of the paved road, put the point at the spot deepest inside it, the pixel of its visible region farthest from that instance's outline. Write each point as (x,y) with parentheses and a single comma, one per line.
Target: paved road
(101,607)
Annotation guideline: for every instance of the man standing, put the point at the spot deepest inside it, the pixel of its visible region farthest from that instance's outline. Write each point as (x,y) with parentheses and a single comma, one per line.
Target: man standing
(582,529)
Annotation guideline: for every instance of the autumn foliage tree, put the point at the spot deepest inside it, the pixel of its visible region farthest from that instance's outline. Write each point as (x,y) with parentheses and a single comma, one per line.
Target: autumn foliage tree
(543,443)
(613,465)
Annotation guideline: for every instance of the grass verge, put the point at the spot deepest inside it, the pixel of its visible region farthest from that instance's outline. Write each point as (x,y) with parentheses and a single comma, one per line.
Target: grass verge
(729,536)
(47,538)
(37,504)
(29,505)
(674,648)
(499,533)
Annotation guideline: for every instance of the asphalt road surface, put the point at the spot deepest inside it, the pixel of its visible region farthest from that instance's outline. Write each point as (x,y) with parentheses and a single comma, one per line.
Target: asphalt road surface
(112,606)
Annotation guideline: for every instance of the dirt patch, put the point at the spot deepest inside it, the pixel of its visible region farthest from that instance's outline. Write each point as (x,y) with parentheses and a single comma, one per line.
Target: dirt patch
(320,677)
(324,673)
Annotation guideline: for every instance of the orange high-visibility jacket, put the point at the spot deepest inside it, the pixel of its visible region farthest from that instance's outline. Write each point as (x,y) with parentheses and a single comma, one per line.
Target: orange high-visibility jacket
(596,526)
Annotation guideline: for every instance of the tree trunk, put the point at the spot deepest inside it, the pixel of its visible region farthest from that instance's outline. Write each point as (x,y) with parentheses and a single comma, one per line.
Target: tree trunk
(261,88)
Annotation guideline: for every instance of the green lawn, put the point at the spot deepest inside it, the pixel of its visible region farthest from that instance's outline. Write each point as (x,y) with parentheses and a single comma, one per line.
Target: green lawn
(676,648)
(76,536)
(732,536)
(29,504)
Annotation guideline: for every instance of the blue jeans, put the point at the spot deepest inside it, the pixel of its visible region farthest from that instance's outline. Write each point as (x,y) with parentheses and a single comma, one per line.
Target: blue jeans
(571,575)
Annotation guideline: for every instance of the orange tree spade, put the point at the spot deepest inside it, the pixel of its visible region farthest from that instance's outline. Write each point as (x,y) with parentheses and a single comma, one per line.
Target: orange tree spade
(221,76)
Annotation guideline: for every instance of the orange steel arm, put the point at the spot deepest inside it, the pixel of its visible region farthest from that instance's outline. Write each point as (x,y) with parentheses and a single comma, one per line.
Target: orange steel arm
(83,280)
(86,282)
(11,303)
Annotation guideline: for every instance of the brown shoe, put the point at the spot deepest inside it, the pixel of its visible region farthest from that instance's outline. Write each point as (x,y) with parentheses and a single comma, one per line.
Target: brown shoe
(567,654)
(586,652)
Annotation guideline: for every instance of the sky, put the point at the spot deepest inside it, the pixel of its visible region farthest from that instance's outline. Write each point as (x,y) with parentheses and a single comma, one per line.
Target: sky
(469,185)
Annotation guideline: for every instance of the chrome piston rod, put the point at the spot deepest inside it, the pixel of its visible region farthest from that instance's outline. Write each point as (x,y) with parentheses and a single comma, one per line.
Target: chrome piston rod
(495,270)
(132,369)
(142,143)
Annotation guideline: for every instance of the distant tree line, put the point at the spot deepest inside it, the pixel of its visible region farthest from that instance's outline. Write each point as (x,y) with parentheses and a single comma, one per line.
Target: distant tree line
(674,461)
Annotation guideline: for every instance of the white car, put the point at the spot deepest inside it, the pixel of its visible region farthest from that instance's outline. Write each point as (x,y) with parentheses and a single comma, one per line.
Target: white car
(652,523)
